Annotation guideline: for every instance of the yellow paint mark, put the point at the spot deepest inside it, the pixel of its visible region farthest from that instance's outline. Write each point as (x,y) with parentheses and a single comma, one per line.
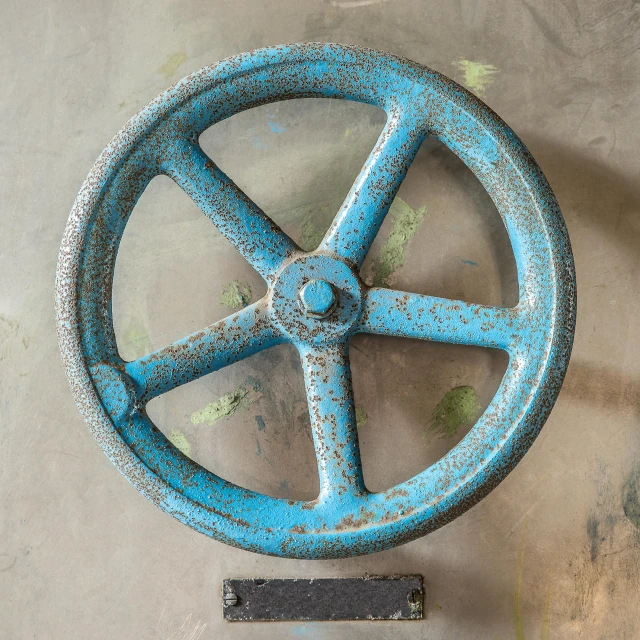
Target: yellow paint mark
(179,441)
(172,63)
(517,594)
(347,133)
(477,76)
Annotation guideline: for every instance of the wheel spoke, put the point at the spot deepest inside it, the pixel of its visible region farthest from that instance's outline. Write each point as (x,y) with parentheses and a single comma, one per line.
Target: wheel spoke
(330,395)
(368,202)
(218,345)
(260,240)
(410,315)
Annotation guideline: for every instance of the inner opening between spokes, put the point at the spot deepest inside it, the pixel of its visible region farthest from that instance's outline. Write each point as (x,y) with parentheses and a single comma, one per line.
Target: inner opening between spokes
(249,423)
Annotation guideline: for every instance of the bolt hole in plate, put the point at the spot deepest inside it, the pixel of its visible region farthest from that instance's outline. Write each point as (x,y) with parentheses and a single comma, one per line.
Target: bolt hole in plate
(345,519)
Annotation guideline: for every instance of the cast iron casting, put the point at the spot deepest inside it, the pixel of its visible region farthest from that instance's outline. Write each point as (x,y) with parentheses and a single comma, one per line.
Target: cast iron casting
(316,301)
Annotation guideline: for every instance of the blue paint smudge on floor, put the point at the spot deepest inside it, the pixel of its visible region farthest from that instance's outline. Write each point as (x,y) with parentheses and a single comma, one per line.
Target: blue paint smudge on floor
(276,128)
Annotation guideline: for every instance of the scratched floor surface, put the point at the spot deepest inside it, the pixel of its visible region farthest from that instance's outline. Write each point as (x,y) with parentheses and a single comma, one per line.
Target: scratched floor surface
(554,552)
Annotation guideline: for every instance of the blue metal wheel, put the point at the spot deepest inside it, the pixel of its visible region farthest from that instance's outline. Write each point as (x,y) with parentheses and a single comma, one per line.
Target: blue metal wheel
(316,301)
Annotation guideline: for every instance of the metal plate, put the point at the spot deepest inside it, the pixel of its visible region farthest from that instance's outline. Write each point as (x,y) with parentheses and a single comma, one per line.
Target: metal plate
(368,598)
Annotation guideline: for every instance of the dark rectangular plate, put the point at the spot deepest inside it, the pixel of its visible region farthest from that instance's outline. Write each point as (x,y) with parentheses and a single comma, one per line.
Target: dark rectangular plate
(368,598)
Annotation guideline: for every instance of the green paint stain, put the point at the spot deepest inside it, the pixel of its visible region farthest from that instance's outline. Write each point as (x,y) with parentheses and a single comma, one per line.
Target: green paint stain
(223,407)
(630,497)
(172,63)
(458,407)
(361,417)
(517,594)
(179,441)
(136,338)
(406,221)
(477,76)
(437,607)
(309,222)
(236,295)
(310,234)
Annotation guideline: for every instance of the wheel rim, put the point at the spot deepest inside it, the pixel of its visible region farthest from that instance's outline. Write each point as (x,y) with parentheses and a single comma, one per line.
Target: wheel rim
(346,519)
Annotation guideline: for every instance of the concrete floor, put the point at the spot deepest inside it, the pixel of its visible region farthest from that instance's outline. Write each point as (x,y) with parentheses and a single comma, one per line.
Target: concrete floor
(554,552)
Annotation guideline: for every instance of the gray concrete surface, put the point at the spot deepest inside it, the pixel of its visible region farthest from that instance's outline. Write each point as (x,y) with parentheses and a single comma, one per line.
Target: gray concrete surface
(554,552)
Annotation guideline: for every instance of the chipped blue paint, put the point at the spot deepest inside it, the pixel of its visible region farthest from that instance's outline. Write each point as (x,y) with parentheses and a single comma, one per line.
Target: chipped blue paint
(471,263)
(260,422)
(346,519)
(256,141)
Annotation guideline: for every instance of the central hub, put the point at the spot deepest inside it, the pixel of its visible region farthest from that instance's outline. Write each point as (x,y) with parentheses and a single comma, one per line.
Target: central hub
(318,298)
